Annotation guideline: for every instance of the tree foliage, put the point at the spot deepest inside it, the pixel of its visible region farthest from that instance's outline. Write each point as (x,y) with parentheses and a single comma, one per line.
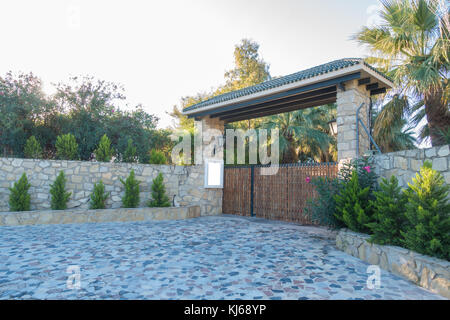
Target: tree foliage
(19,198)
(412,46)
(129,154)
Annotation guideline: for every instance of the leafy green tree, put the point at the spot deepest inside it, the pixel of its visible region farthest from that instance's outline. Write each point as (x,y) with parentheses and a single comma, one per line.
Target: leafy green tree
(66,147)
(389,210)
(22,107)
(104,152)
(59,195)
(412,46)
(427,229)
(33,149)
(98,196)
(352,205)
(159,196)
(131,197)
(304,134)
(157,157)
(19,199)
(130,152)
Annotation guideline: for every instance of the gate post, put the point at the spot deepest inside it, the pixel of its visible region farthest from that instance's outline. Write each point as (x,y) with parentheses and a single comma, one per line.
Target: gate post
(350,96)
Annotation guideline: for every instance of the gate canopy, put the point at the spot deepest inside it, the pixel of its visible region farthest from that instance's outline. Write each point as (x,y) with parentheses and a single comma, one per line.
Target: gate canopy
(304,89)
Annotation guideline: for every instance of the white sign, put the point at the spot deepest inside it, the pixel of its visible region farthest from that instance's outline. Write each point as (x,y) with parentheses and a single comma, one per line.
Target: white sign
(213,173)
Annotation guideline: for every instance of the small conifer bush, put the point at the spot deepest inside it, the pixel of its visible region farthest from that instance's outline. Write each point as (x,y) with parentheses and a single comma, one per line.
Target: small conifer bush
(427,229)
(130,152)
(32,149)
(19,198)
(59,195)
(159,196)
(131,197)
(98,196)
(104,152)
(157,157)
(66,147)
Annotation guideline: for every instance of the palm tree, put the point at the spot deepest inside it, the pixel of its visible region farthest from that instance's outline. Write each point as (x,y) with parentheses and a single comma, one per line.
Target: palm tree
(412,47)
(303,134)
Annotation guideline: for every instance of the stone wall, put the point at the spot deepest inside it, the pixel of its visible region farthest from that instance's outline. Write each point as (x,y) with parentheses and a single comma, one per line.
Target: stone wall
(100,215)
(185,182)
(405,164)
(427,272)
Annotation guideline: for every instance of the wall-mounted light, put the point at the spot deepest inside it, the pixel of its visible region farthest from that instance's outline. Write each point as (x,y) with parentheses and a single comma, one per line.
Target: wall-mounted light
(213,173)
(333,127)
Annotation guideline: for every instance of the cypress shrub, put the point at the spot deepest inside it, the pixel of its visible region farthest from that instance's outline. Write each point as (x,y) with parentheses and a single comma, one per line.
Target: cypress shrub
(104,152)
(352,205)
(66,147)
(159,196)
(59,195)
(19,198)
(32,149)
(131,197)
(98,196)
(427,228)
(130,152)
(157,157)
(389,213)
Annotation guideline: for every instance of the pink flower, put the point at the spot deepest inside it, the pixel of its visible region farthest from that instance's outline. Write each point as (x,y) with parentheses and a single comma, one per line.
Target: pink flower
(308,179)
(367,168)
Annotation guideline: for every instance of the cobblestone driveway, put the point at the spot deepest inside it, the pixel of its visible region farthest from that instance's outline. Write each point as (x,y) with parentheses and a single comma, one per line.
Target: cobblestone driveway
(204,258)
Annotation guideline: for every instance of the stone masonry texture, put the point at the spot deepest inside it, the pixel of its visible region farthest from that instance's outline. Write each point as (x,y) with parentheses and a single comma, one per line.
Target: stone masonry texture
(406,164)
(185,182)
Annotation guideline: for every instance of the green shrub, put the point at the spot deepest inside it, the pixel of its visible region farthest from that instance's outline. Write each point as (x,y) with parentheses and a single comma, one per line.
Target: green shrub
(130,152)
(321,209)
(427,228)
(19,199)
(159,197)
(104,152)
(98,196)
(66,147)
(366,173)
(32,149)
(59,195)
(131,196)
(157,157)
(389,213)
(352,205)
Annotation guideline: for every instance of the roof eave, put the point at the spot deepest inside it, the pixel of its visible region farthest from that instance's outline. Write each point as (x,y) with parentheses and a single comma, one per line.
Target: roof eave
(323,77)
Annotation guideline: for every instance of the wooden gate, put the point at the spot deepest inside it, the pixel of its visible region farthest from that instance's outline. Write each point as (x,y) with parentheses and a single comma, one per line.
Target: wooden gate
(282,196)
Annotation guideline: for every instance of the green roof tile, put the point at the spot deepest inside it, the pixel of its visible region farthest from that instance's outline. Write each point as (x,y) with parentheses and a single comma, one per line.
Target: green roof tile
(277,82)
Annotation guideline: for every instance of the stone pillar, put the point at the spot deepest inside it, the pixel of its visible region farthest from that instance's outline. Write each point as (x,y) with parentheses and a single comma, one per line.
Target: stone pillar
(348,102)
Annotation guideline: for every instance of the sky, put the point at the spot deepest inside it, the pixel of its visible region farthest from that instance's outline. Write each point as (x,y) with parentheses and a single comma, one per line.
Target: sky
(161,51)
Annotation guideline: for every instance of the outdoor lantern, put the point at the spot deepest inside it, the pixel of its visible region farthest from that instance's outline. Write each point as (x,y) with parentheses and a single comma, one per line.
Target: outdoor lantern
(213,173)
(333,127)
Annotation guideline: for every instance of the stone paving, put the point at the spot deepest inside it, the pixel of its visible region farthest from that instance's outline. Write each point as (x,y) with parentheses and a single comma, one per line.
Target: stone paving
(221,257)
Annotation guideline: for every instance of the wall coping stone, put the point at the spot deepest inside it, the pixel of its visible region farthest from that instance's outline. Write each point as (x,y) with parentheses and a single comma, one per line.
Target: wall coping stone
(21,218)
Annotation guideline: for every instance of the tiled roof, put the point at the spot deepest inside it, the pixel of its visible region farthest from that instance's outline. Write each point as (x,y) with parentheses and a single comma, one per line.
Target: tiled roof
(294,77)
